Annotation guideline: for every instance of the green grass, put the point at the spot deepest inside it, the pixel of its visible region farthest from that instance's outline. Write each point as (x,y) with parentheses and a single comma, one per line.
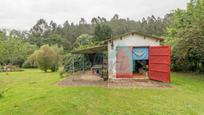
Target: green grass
(36,92)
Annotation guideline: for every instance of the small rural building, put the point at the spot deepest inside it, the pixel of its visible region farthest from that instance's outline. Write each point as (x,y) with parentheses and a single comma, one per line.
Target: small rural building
(135,55)
(129,52)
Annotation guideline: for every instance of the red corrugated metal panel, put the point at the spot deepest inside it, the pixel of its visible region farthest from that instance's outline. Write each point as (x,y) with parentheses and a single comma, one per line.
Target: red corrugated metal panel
(124,66)
(159,63)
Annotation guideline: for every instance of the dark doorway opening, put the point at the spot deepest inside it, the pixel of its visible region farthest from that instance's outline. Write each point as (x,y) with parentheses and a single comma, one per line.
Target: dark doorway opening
(140,68)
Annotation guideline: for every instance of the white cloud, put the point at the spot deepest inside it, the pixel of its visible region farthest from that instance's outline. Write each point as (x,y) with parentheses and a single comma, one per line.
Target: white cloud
(23,14)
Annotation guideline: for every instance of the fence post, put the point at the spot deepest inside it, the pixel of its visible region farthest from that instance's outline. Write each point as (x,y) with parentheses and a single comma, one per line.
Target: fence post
(83,62)
(73,64)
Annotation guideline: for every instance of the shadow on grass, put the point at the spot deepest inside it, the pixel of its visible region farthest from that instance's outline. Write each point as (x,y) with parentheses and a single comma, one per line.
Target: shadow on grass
(1,94)
(2,91)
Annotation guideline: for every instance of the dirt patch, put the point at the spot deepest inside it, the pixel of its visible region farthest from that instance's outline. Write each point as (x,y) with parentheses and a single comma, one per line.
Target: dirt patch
(136,83)
(83,79)
(88,79)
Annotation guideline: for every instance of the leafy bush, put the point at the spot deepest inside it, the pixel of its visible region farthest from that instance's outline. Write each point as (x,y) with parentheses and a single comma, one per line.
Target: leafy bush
(15,51)
(46,58)
(102,32)
(54,67)
(84,41)
(187,38)
(1,90)
(64,74)
(31,61)
(1,95)
(80,62)
(27,64)
(1,68)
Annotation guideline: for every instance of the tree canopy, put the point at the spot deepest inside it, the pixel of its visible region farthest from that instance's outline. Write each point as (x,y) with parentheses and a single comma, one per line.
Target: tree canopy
(15,51)
(100,28)
(46,58)
(183,30)
(187,37)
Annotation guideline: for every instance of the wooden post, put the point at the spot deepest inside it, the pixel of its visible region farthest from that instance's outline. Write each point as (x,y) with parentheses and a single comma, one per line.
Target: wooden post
(83,62)
(102,64)
(73,64)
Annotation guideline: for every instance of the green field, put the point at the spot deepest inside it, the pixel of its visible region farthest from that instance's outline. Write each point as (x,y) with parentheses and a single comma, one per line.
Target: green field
(36,92)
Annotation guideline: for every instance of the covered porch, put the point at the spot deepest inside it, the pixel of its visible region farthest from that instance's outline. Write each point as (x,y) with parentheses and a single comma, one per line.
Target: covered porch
(97,55)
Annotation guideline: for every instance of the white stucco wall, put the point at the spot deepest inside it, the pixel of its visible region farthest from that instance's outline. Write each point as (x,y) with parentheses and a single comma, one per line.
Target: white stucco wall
(130,40)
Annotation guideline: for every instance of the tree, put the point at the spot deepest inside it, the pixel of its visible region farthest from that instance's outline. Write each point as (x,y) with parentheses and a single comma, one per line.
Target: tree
(40,28)
(81,42)
(82,21)
(53,39)
(186,30)
(84,40)
(94,20)
(47,58)
(115,17)
(53,26)
(102,32)
(2,35)
(18,34)
(2,50)
(15,51)
(31,61)
(65,35)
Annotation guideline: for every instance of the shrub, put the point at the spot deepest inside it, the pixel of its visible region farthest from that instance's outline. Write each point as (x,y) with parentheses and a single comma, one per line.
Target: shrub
(31,61)
(80,62)
(27,64)
(54,67)
(64,74)
(1,90)
(1,94)
(45,58)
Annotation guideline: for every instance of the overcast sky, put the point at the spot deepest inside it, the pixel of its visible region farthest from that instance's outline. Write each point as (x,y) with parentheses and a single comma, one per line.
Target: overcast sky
(23,14)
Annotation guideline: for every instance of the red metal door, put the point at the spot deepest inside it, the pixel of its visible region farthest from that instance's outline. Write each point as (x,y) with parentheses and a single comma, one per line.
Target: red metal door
(159,63)
(124,63)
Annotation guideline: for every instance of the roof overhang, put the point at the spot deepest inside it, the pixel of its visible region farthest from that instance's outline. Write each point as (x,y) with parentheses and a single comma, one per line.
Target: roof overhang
(91,50)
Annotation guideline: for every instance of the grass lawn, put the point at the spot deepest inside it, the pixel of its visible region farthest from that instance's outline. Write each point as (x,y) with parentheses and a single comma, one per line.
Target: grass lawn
(36,92)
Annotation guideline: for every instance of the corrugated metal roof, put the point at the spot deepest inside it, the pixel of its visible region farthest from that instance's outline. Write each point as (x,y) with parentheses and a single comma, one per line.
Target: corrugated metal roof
(103,45)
